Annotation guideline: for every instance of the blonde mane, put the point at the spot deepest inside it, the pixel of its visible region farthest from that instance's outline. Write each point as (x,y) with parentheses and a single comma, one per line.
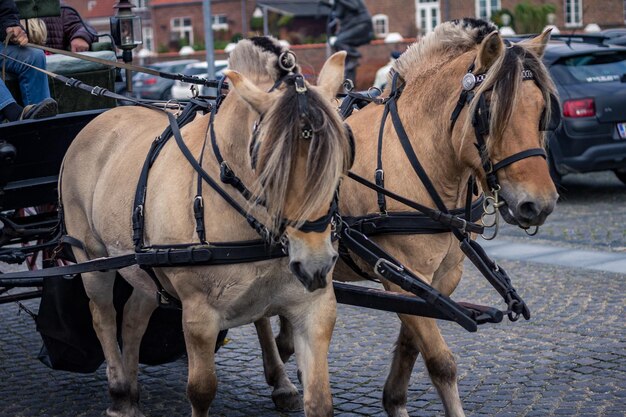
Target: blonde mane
(448,40)
(257,58)
(280,140)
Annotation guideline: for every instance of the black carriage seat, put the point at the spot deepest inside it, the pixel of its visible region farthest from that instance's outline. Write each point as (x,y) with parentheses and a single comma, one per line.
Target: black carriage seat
(70,99)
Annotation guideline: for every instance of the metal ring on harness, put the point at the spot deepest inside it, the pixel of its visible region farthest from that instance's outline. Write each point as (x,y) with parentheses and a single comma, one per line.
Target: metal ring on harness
(287,61)
(177,103)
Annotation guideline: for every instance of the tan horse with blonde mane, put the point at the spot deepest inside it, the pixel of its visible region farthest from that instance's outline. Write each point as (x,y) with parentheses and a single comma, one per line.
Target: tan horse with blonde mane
(431,72)
(296,177)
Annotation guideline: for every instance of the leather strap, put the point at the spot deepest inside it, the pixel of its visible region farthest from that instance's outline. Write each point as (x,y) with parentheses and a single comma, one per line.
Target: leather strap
(136,68)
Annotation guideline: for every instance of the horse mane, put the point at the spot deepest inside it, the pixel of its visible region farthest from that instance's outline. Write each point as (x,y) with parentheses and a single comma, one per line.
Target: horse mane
(257,58)
(328,155)
(503,79)
(449,39)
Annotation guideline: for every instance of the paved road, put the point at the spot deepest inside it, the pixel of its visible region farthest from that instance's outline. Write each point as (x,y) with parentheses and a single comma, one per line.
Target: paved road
(568,360)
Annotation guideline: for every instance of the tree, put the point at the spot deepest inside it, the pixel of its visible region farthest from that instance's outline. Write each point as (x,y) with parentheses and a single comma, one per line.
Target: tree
(531,18)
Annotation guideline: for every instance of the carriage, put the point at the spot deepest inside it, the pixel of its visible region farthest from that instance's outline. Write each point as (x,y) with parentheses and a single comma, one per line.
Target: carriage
(32,156)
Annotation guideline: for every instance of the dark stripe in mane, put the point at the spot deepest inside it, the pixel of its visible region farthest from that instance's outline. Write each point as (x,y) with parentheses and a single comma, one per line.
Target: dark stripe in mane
(484,27)
(269,45)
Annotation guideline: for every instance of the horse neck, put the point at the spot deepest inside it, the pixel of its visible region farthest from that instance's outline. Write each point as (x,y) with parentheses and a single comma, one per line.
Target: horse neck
(426,122)
(233,130)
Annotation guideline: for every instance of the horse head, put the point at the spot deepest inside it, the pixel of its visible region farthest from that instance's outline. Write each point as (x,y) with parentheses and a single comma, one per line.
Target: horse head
(512,102)
(299,151)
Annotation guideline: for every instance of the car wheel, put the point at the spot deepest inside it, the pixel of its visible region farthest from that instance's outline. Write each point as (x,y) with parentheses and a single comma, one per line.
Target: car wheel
(620,173)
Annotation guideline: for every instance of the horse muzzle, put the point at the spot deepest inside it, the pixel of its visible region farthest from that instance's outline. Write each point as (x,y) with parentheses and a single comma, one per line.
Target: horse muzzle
(527,211)
(312,280)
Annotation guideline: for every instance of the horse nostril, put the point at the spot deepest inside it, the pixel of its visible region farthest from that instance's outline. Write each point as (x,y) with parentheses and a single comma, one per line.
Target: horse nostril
(334,259)
(296,268)
(529,210)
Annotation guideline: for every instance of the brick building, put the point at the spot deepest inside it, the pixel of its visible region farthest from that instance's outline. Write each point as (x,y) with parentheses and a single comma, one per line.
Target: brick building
(168,24)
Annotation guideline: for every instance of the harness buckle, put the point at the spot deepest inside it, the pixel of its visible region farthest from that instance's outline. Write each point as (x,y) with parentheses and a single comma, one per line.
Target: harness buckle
(379,174)
(381,263)
(199,201)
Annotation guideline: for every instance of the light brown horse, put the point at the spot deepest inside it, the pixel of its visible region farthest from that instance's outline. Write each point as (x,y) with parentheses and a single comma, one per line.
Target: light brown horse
(299,179)
(431,71)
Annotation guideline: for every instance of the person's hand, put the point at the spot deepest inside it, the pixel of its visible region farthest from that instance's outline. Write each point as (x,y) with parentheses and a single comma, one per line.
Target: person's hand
(79,45)
(17,35)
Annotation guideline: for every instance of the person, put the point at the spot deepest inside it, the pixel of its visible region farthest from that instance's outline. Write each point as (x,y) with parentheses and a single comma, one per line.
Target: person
(382,75)
(33,84)
(355,28)
(69,31)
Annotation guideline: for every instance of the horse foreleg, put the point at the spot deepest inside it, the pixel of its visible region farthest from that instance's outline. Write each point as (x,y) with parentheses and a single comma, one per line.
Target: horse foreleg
(285,394)
(201,329)
(284,340)
(312,334)
(99,288)
(137,312)
(418,334)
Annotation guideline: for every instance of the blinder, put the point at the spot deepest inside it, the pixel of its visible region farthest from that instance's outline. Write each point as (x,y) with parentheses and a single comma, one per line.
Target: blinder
(555,115)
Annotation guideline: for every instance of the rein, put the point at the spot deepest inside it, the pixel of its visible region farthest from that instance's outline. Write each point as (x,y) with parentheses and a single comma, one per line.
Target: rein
(136,68)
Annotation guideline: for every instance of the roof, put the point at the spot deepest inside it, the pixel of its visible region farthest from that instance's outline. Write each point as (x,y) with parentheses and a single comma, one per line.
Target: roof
(559,49)
(298,8)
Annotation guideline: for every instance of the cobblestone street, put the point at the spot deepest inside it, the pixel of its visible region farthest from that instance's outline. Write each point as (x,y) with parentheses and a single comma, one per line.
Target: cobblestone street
(568,360)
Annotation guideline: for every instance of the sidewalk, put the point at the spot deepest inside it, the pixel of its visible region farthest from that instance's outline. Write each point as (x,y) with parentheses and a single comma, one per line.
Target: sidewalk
(555,255)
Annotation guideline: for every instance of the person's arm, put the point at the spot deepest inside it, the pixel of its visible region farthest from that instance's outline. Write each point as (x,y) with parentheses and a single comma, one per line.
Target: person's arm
(74,30)
(353,5)
(9,18)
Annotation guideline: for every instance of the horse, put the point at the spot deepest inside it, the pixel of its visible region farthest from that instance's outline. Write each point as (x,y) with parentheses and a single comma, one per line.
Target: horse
(507,161)
(301,151)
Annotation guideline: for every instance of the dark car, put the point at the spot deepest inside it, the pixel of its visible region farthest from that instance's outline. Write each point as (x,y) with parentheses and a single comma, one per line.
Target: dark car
(153,87)
(591,81)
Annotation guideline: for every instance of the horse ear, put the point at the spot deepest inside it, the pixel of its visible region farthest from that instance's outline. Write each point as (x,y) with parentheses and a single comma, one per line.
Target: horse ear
(258,99)
(331,76)
(489,50)
(538,43)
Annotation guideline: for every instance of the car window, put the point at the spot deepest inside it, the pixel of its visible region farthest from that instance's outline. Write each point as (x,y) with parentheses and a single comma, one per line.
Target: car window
(590,68)
(194,71)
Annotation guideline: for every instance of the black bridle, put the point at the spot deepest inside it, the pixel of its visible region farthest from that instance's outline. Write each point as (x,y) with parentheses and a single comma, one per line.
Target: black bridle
(480,123)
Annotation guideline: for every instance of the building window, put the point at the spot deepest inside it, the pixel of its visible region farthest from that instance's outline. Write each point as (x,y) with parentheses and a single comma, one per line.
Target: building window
(485,8)
(141,4)
(428,15)
(220,22)
(148,38)
(91,4)
(181,29)
(573,13)
(381,25)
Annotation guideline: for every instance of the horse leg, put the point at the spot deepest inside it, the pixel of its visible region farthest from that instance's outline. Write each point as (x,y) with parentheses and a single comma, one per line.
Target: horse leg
(99,289)
(285,395)
(201,329)
(312,334)
(137,312)
(284,340)
(418,334)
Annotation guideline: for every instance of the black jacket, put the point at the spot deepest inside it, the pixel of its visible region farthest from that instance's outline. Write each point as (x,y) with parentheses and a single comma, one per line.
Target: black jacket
(63,29)
(9,16)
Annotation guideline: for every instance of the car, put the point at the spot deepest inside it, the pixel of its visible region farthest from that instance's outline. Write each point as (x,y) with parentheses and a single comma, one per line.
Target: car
(591,82)
(153,87)
(182,91)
